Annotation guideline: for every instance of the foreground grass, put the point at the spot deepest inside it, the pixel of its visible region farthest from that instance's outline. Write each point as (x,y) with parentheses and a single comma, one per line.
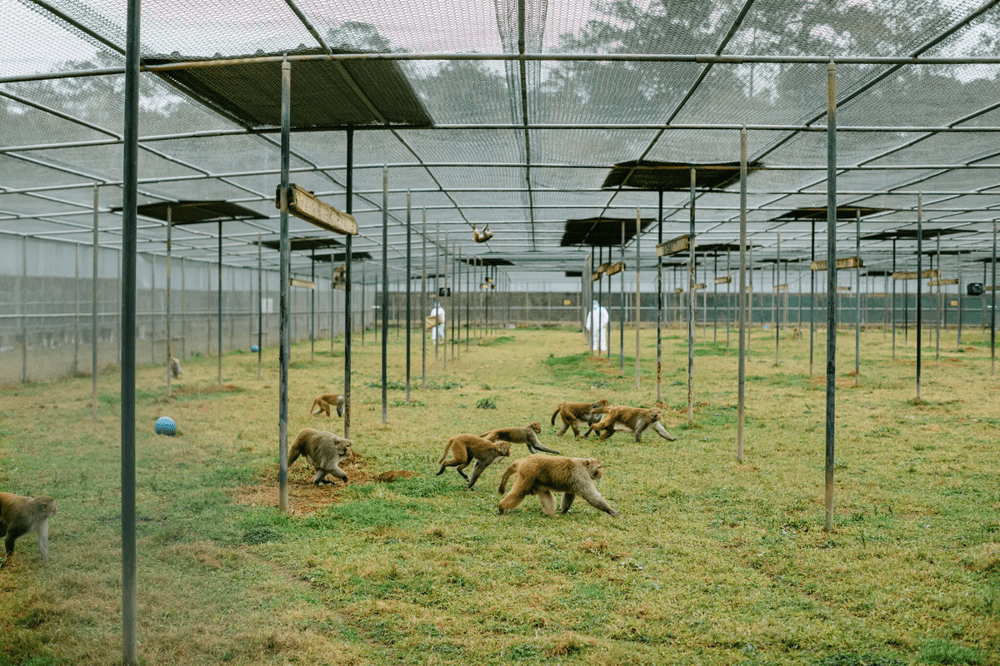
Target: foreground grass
(712,562)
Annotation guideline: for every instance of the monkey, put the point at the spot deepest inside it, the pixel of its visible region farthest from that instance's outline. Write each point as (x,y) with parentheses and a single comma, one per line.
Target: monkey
(20,515)
(464,448)
(324,450)
(520,436)
(481,236)
(636,419)
(572,413)
(796,333)
(340,277)
(541,475)
(175,367)
(326,401)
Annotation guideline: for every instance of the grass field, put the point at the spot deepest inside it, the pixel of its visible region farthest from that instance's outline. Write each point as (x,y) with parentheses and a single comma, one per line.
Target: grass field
(712,562)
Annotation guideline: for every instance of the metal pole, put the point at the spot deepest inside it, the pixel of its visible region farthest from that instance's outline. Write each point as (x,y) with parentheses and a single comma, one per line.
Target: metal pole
(364,312)
(444,267)
(409,281)
(348,289)
(312,307)
(93,318)
(183,307)
(993,307)
(692,301)
(857,299)
(741,299)
(728,275)
(894,300)
(169,348)
(959,343)
(715,300)
(774,297)
(437,292)
(423,305)
(130,162)
(385,292)
(452,297)
(812,297)
(920,284)
(468,303)
(458,302)
(940,303)
(260,305)
(152,308)
(219,296)
(621,309)
(284,259)
(638,299)
(333,325)
(831,281)
(659,295)
(749,296)
(76,319)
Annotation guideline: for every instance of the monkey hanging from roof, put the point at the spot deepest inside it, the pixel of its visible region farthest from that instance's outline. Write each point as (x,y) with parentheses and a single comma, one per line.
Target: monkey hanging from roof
(482,236)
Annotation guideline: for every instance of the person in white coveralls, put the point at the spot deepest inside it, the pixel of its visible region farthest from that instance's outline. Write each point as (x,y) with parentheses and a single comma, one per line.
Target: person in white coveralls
(438,330)
(598,318)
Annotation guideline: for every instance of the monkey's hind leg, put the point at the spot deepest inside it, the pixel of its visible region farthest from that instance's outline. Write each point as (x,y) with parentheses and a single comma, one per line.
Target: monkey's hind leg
(535,446)
(476,471)
(547,500)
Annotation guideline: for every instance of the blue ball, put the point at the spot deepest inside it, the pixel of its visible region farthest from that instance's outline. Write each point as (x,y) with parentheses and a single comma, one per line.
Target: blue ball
(166,426)
(255,348)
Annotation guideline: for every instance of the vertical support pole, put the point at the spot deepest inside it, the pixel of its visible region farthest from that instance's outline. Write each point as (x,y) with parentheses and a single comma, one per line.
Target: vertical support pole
(638,294)
(960,299)
(468,302)
(333,325)
(349,289)
(423,304)
(169,341)
(621,308)
(219,296)
(93,318)
(715,300)
(364,311)
(260,304)
(458,303)
(728,275)
(920,284)
(76,319)
(857,298)
(831,281)
(940,306)
(776,291)
(284,253)
(812,297)
(312,306)
(894,299)
(152,308)
(444,267)
(741,298)
(993,307)
(691,299)
(409,282)
(600,303)
(130,162)
(749,296)
(183,307)
(659,296)
(385,291)
(453,297)
(437,292)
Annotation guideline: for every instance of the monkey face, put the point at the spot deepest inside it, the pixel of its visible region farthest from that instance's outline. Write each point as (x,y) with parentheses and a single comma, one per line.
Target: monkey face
(595,468)
(536,426)
(504,447)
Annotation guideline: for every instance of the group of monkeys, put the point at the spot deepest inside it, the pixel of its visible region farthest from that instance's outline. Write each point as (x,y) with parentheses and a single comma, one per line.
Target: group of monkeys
(537,474)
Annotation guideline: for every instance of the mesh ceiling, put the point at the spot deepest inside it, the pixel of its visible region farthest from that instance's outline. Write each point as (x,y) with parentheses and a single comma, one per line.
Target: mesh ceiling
(472,135)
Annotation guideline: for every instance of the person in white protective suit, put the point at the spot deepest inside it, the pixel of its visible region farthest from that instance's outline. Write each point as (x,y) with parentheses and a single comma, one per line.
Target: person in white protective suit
(598,318)
(437,332)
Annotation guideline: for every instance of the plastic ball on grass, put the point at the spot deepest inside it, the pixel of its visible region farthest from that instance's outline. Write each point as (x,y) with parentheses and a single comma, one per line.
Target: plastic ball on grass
(255,348)
(166,426)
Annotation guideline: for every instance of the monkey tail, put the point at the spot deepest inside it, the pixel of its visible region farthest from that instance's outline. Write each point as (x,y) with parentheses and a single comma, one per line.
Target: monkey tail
(511,470)
(447,448)
(312,410)
(553,419)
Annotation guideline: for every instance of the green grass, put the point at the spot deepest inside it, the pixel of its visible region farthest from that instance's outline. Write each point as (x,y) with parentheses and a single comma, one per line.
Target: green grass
(712,562)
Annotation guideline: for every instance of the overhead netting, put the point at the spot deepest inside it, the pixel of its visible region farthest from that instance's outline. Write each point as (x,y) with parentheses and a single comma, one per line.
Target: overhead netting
(474,134)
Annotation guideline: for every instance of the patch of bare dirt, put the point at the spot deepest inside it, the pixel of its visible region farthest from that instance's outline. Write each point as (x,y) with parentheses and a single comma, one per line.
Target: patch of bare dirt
(303,497)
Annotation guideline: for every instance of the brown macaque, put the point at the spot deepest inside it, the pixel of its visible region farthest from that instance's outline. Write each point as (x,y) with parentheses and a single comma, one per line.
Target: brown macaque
(572,413)
(528,435)
(326,402)
(20,515)
(481,236)
(542,475)
(464,448)
(175,367)
(635,419)
(324,450)
(796,333)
